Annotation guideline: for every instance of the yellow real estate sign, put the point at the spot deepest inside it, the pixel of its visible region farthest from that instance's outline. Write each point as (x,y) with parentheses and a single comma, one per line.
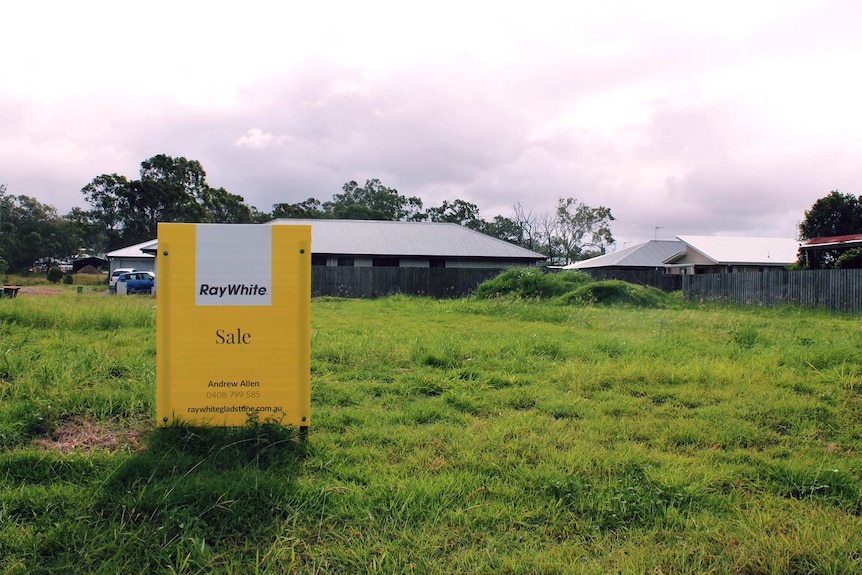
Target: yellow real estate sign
(233,324)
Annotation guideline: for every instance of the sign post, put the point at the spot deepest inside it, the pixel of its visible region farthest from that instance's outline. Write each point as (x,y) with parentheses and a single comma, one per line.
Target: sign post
(233,324)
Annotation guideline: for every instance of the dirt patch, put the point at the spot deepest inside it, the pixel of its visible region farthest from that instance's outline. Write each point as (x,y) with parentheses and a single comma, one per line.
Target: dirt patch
(78,434)
(42,291)
(89,271)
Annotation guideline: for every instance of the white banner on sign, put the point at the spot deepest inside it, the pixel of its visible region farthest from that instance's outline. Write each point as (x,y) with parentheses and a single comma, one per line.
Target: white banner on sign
(233,265)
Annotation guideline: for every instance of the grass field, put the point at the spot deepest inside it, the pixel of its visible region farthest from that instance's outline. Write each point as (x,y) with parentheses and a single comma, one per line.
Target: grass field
(466,436)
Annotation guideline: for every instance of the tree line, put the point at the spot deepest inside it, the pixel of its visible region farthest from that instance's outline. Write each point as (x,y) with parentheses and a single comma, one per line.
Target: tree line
(124,212)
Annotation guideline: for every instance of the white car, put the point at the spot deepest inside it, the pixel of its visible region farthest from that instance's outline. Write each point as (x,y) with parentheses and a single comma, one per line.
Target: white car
(112,281)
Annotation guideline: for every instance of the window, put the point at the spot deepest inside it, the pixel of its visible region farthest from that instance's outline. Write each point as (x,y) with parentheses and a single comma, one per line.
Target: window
(345,262)
(318,260)
(383,262)
(437,263)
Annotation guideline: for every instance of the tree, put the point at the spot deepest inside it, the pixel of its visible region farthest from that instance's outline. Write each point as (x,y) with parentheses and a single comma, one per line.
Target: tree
(309,209)
(851,259)
(527,225)
(169,190)
(836,214)
(107,194)
(373,201)
(458,212)
(83,225)
(580,227)
(505,229)
(546,227)
(221,206)
(31,231)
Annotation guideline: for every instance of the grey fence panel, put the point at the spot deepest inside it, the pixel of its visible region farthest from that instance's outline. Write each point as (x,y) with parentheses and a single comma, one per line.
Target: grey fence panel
(836,290)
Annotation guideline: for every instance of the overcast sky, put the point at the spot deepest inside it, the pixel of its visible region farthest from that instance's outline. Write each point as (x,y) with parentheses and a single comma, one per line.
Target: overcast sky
(719,118)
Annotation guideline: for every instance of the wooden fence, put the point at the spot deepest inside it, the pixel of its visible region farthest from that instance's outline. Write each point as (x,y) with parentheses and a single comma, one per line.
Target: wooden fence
(836,290)
(370,282)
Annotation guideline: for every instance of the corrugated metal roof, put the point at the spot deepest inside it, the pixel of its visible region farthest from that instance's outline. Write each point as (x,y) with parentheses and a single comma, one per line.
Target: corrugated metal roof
(384,238)
(831,241)
(651,254)
(742,251)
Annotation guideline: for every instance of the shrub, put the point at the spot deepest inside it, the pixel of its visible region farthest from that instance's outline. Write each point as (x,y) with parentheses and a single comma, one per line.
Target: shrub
(54,275)
(851,259)
(531,283)
(616,292)
(68,279)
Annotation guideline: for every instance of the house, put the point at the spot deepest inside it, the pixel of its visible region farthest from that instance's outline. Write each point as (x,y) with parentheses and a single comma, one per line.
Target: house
(649,255)
(696,255)
(816,251)
(717,254)
(141,257)
(371,243)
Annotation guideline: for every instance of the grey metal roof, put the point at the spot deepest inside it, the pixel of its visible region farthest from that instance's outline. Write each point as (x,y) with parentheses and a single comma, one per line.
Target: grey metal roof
(651,254)
(384,238)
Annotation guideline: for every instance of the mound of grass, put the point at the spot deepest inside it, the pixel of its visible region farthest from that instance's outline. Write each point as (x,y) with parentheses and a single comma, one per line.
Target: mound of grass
(531,283)
(608,292)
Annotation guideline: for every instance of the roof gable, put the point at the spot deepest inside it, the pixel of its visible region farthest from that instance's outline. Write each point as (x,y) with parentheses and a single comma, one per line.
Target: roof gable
(651,254)
(135,251)
(722,250)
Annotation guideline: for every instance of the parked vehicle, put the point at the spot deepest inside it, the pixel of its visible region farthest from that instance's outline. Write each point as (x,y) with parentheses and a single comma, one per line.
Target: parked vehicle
(136,282)
(112,281)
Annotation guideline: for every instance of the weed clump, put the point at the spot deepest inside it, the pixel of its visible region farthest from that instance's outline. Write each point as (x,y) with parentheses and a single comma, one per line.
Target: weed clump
(531,283)
(618,292)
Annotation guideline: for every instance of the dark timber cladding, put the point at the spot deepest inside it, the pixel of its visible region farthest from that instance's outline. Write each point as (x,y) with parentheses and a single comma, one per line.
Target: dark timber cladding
(370,282)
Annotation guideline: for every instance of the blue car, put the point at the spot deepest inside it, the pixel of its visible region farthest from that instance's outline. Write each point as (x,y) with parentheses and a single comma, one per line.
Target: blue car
(136,282)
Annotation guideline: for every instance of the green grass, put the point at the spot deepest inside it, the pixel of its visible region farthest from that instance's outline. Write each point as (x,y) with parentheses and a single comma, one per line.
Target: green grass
(464,436)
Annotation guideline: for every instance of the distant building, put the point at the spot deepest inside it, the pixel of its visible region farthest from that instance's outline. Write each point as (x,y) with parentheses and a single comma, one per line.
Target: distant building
(368,243)
(648,256)
(141,257)
(371,243)
(718,254)
(832,246)
(698,254)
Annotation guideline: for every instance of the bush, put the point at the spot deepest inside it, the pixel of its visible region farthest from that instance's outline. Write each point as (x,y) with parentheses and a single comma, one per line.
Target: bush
(54,275)
(851,259)
(617,292)
(68,279)
(531,283)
